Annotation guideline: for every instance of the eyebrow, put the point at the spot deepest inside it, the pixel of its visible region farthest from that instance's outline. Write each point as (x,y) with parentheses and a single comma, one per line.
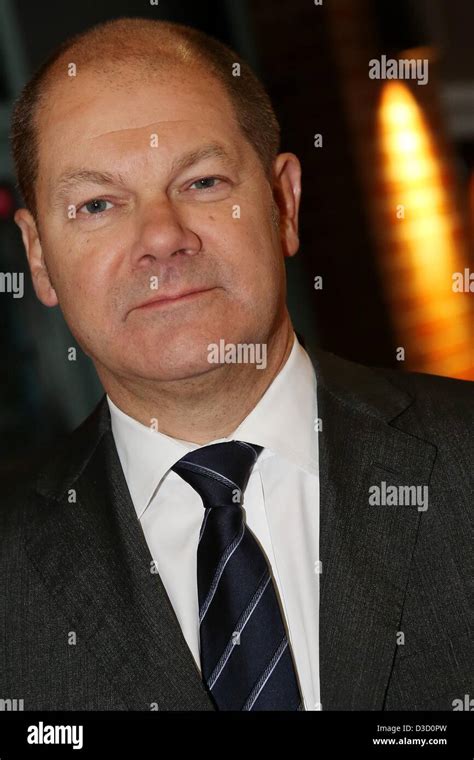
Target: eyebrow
(75,177)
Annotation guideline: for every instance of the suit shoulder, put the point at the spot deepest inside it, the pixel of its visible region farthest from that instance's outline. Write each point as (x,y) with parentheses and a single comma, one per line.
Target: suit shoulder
(442,397)
(386,390)
(422,384)
(63,457)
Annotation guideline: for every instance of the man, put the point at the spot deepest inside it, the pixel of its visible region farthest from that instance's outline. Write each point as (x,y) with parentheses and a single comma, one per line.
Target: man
(217,534)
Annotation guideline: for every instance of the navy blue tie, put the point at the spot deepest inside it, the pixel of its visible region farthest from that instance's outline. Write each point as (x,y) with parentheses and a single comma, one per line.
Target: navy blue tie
(246,660)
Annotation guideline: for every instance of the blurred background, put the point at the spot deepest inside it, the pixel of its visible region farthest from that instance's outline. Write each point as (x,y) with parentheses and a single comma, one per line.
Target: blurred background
(385,272)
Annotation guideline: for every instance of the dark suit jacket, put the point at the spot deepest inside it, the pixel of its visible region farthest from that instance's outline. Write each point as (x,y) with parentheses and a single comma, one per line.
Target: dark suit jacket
(84,566)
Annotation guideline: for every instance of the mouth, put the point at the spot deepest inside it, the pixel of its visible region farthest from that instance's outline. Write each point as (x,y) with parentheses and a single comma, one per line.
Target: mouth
(162,301)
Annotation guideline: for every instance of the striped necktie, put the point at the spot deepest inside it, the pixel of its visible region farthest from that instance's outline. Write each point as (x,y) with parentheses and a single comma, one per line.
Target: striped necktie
(246,660)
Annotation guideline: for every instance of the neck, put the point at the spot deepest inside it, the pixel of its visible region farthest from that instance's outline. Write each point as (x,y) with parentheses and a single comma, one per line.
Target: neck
(204,408)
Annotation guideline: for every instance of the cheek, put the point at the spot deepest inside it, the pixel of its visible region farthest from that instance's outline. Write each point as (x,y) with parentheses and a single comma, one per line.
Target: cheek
(260,262)
(86,290)
(80,284)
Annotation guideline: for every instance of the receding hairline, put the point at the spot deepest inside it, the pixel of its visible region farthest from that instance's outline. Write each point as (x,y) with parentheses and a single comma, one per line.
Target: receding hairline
(130,72)
(172,50)
(132,46)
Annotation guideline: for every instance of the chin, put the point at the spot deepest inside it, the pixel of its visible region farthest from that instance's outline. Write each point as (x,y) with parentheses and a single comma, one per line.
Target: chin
(164,373)
(166,362)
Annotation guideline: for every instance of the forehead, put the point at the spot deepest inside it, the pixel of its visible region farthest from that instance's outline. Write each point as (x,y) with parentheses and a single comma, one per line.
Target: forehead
(121,112)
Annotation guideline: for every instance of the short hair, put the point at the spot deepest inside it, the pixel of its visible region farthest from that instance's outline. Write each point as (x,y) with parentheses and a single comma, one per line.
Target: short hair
(146,44)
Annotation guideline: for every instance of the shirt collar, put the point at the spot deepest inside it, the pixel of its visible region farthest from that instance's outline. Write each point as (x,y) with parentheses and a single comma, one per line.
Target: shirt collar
(283,422)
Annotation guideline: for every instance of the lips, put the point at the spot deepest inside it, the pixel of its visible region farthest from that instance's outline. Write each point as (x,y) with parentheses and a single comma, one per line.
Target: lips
(168,298)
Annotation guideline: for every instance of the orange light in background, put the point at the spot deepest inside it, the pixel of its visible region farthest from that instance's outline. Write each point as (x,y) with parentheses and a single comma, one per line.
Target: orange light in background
(471,211)
(426,246)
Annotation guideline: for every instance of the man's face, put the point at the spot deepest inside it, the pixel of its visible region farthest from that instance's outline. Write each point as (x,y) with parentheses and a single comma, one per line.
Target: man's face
(157,229)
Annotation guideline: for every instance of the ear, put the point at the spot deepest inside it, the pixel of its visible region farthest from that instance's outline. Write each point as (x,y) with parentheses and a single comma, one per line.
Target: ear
(34,253)
(287,192)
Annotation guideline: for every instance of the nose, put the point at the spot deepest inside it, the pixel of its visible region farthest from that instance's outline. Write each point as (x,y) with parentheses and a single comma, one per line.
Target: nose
(162,234)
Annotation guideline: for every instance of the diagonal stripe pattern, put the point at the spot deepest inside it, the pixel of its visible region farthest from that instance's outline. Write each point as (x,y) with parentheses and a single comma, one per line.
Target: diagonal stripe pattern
(246,659)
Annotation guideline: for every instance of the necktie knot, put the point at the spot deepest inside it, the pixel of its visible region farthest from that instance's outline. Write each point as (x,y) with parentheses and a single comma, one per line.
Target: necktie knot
(219,472)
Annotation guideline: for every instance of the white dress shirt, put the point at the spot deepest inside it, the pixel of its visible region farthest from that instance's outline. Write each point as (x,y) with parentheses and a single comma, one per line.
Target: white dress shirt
(281,506)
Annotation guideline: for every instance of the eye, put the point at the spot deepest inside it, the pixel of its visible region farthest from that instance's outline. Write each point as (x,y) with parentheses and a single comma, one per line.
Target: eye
(95,206)
(205,180)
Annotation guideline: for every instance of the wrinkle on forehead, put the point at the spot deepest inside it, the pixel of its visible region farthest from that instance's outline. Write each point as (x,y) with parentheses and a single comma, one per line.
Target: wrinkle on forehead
(152,125)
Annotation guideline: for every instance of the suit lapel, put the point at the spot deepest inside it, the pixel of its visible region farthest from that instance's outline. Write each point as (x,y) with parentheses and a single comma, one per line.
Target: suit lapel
(365,549)
(93,558)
